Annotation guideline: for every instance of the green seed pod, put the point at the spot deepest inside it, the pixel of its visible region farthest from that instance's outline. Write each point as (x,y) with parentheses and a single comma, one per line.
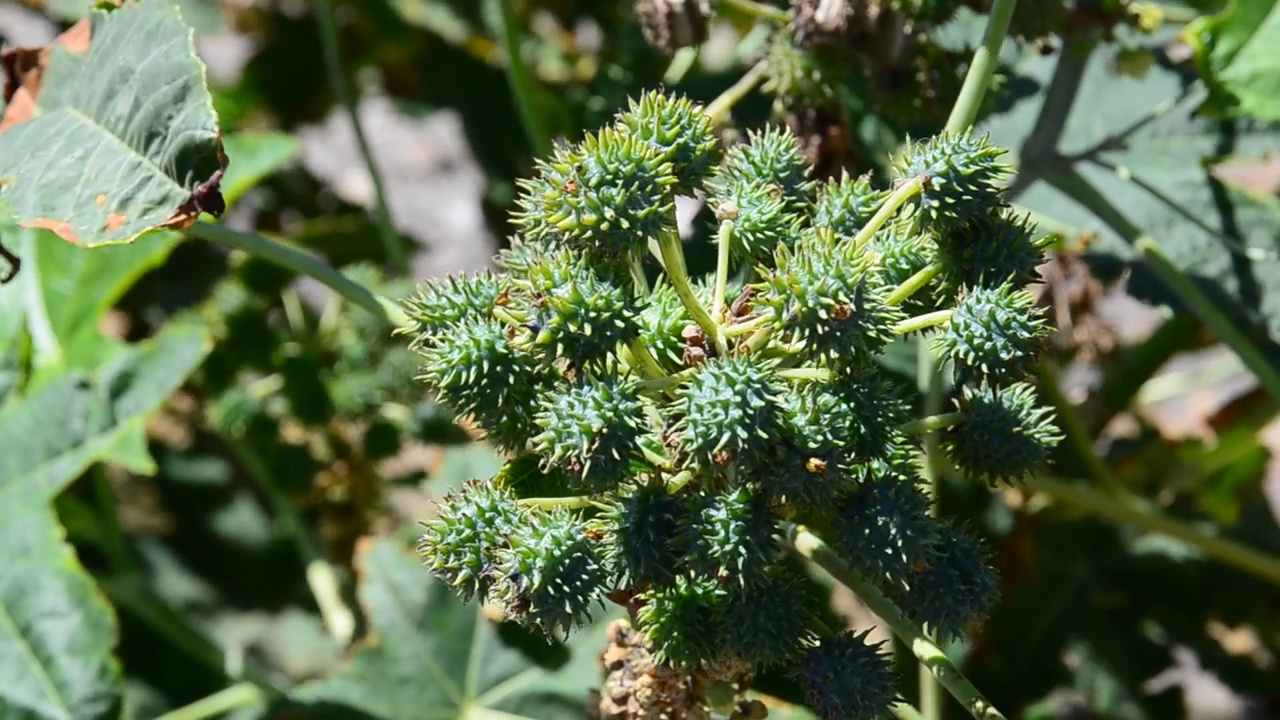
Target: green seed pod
(961,176)
(683,620)
(440,307)
(847,678)
(591,429)
(662,320)
(772,157)
(604,197)
(461,544)
(993,334)
(885,528)
(955,588)
(679,130)
(577,313)
(642,527)
(1005,436)
(988,252)
(761,220)
(551,574)
(762,633)
(845,205)
(729,536)
(727,410)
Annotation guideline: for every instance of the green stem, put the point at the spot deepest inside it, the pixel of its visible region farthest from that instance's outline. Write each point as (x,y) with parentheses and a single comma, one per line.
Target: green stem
(237,696)
(923,322)
(719,108)
(667,382)
(903,711)
(1145,517)
(1079,189)
(522,88)
(678,274)
(905,191)
(391,242)
(321,577)
(1210,315)
(981,68)
(806,374)
(571,502)
(676,482)
(681,63)
(303,263)
(756,10)
(636,266)
(926,651)
(913,284)
(930,423)
(748,326)
(1073,427)
(724,239)
(648,364)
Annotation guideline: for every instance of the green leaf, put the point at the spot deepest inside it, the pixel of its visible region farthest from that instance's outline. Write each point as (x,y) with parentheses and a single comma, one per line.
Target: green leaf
(63,291)
(430,656)
(1236,53)
(77,417)
(56,631)
(1134,157)
(252,157)
(116,135)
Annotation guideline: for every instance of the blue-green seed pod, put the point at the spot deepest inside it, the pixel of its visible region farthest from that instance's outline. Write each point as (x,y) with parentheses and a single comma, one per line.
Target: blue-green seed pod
(461,543)
(994,333)
(989,251)
(962,178)
(591,429)
(730,536)
(679,130)
(760,214)
(848,678)
(1005,436)
(606,197)
(577,313)
(440,306)
(955,588)
(642,527)
(771,156)
(551,575)
(844,205)
(683,620)
(766,624)
(728,410)
(661,320)
(884,528)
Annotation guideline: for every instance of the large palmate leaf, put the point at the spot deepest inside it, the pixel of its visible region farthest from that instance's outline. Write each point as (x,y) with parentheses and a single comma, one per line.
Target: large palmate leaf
(1132,157)
(111,131)
(56,632)
(1236,51)
(54,433)
(431,656)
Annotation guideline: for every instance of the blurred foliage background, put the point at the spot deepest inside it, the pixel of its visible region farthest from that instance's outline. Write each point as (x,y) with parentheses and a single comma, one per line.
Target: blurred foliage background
(245,531)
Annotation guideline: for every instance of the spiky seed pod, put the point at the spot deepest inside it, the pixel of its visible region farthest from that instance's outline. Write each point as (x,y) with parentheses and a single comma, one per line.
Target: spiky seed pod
(820,22)
(642,527)
(760,215)
(764,634)
(961,174)
(669,25)
(956,588)
(771,156)
(884,528)
(848,678)
(591,429)
(1006,433)
(605,196)
(679,130)
(440,306)
(729,536)
(824,296)
(864,412)
(551,574)
(478,372)
(844,205)
(988,252)
(994,333)
(796,76)
(810,468)
(728,410)
(661,320)
(460,545)
(683,620)
(576,312)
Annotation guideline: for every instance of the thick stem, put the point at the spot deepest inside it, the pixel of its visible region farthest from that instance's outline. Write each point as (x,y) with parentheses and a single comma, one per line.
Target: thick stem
(1142,515)
(930,423)
(754,9)
(913,284)
(923,322)
(724,243)
(719,108)
(678,274)
(303,263)
(902,194)
(981,68)
(636,266)
(926,651)
(748,326)
(240,695)
(391,242)
(571,502)
(640,353)
(806,374)
(522,89)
